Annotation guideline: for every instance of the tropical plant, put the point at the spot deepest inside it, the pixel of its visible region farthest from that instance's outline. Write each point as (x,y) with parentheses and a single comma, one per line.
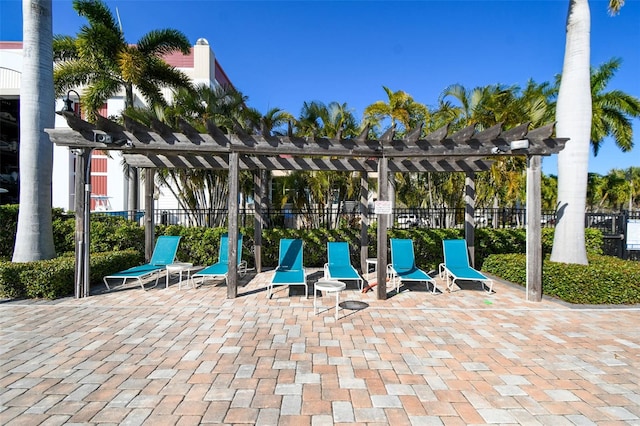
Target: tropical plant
(306,190)
(272,122)
(34,238)
(633,177)
(549,192)
(495,104)
(612,111)
(223,106)
(573,115)
(103,63)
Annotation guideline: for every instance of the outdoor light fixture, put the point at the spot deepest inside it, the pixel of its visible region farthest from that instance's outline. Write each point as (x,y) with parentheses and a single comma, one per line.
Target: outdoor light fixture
(498,150)
(68,103)
(519,144)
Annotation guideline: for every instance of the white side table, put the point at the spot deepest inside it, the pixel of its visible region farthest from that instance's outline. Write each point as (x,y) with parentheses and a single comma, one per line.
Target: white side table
(328,286)
(372,261)
(178,268)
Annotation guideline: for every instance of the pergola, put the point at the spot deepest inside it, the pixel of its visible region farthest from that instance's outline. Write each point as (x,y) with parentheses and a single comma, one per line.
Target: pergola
(159,146)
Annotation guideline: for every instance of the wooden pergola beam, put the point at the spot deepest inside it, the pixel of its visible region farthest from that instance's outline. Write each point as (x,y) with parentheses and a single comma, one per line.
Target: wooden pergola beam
(299,163)
(464,143)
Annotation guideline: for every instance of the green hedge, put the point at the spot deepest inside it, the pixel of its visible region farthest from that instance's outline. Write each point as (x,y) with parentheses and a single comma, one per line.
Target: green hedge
(108,233)
(427,243)
(201,246)
(605,280)
(51,279)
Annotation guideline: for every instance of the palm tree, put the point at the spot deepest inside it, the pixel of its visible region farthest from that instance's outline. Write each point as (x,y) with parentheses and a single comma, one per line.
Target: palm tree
(34,236)
(405,114)
(633,176)
(616,189)
(272,121)
(223,106)
(197,190)
(573,115)
(403,111)
(487,106)
(103,63)
(322,188)
(100,59)
(549,190)
(595,191)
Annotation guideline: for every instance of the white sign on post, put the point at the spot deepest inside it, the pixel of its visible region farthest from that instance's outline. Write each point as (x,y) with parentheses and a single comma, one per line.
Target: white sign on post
(382,207)
(633,234)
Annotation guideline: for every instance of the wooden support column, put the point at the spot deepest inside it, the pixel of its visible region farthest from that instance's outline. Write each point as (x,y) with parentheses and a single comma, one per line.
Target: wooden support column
(83,221)
(364,221)
(534,229)
(259,193)
(133,195)
(469,214)
(383,219)
(232,277)
(149,213)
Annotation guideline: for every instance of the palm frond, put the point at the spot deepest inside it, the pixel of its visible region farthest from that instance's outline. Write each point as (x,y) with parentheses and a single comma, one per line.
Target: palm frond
(162,42)
(64,48)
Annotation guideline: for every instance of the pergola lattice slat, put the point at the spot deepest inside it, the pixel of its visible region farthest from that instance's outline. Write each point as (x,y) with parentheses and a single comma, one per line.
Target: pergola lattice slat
(263,162)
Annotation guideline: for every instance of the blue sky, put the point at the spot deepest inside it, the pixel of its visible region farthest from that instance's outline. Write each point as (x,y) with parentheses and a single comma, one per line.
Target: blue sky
(283,53)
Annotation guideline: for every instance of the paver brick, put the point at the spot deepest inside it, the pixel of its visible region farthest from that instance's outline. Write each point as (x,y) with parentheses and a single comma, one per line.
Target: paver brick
(195,357)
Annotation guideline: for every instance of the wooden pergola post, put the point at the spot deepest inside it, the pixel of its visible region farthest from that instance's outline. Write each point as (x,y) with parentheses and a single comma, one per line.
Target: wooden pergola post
(82,190)
(259,193)
(469,214)
(149,212)
(534,229)
(232,275)
(364,220)
(383,219)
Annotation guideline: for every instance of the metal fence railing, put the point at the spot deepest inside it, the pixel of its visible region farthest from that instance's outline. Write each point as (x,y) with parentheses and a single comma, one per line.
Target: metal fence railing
(612,224)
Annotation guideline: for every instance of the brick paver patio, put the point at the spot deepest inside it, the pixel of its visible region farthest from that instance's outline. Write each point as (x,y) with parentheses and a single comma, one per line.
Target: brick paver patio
(191,356)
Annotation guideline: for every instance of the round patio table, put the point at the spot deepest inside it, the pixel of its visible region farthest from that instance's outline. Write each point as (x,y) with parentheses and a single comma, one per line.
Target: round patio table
(328,286)
(178,268)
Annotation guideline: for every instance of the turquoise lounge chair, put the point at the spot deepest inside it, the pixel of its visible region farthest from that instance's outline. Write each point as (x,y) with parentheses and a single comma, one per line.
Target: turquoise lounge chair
(289,270)
(339,266)
(403,265)
(456,265)
(164,254)
(220,269)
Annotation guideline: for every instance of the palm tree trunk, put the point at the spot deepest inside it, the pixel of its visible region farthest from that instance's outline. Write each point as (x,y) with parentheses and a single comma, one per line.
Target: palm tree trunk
(573,115)
(34,236)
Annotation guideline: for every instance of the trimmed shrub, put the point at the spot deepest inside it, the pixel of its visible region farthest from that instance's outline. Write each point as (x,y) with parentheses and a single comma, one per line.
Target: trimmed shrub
(54,278)
(605,280)
(11,286)
(8,228)
(49,279)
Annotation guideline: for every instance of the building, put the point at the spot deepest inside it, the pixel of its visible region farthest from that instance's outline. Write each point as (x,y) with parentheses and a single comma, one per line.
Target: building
(109,186)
